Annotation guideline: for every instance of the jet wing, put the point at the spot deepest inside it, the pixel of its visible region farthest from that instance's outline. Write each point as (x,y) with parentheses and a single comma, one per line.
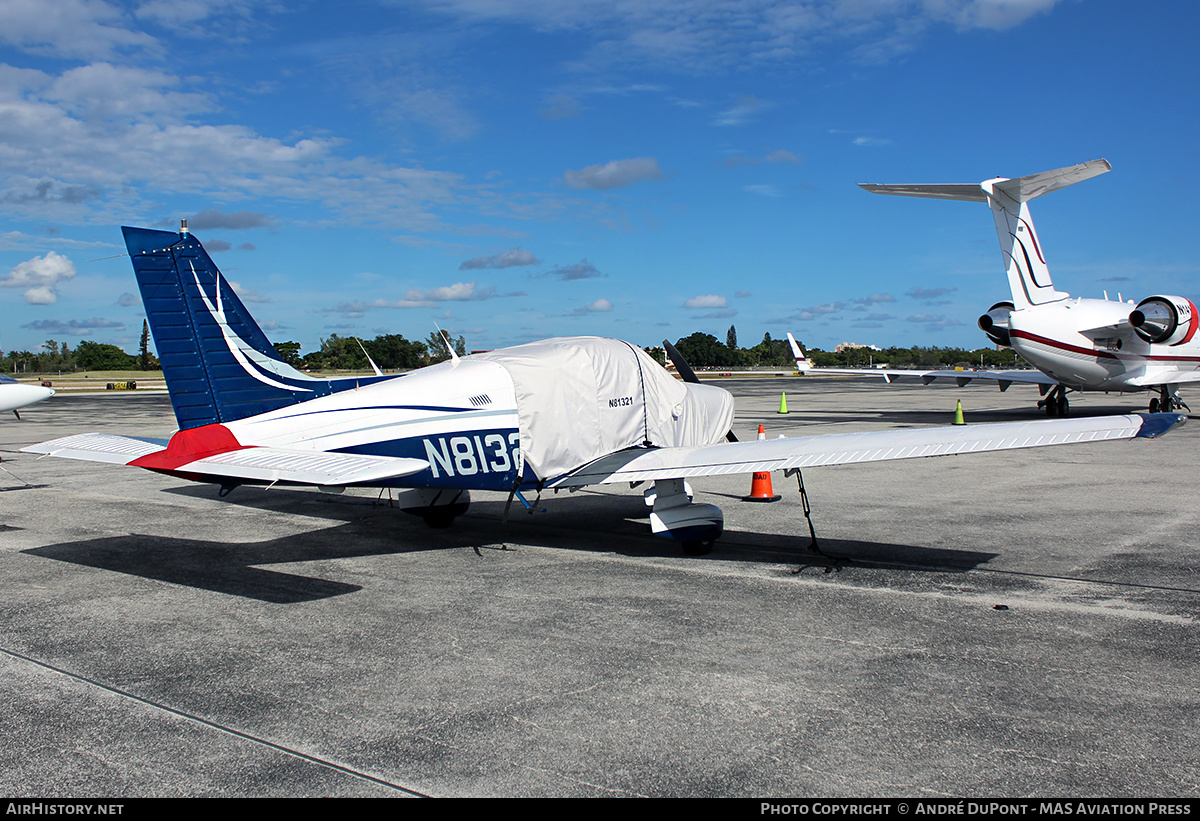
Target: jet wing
(1164,377)
(250,464)
(639,464)
(1001,378)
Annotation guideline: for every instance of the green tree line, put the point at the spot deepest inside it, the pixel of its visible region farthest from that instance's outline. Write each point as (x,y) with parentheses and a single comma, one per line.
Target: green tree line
(703,350)
(59,357)
(393,352)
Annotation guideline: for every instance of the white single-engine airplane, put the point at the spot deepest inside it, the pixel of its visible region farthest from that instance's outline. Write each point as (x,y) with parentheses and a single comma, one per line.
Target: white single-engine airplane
(561,413)
(1076,344)
(15,395)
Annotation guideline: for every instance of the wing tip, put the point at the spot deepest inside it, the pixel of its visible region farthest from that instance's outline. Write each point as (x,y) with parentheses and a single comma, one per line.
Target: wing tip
(1156,424)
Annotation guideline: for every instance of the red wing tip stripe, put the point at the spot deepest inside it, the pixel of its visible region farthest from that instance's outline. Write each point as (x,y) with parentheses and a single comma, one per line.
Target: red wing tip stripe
(189,446)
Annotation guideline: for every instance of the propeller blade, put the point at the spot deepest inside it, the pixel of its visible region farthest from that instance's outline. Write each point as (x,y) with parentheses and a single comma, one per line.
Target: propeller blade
(684,369)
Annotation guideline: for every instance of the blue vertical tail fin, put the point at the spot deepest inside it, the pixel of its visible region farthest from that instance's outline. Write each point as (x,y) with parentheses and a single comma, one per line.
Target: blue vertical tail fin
(218,364)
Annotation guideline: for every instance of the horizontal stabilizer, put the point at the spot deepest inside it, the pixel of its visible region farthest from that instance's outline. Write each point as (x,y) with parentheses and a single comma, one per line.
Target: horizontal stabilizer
(252,464)
(1024,189)
(1021,189)
(852,448)
(98,447)
(938,191)
(304,467)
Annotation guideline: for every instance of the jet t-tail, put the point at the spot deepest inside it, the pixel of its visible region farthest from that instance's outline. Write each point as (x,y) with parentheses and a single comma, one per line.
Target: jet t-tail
(560,413)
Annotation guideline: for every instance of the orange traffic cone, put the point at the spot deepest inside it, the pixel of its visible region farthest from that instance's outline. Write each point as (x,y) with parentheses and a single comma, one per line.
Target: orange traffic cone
(760,485)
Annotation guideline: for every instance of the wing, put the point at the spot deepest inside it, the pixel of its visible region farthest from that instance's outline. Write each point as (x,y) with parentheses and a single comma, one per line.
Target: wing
(250,464)
(1165,377)
(1002,378)
(874,446)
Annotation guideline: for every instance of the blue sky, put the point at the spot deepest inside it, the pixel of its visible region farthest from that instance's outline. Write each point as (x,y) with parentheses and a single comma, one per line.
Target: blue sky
(517,169)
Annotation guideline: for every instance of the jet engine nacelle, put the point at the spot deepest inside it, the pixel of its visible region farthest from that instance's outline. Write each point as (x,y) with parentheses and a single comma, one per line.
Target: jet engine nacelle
(1165,320)
(995,323)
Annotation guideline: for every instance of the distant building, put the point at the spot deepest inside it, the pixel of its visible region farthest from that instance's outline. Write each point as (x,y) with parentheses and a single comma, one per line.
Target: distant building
(845,346)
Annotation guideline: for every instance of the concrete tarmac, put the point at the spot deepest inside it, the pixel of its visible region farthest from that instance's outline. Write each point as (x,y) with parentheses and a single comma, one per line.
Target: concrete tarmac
(1010,624)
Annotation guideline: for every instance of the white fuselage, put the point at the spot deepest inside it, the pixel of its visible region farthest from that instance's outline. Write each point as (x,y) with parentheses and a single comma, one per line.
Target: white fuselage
(1089,345)
(14,395)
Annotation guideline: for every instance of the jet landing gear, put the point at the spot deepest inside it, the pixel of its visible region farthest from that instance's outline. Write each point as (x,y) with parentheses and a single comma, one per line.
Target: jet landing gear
(1056,403)
(1168,400)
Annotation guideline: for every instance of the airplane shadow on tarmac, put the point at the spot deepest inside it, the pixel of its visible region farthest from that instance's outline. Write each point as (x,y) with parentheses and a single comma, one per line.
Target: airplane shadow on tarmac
(590,522)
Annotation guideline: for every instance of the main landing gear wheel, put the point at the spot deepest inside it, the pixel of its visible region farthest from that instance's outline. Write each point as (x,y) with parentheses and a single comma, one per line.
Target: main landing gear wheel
(1056,403)
(1167,401)
(697,548)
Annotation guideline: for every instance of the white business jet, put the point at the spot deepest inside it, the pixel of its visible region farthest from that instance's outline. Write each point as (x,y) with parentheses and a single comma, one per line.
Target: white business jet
(1076,344)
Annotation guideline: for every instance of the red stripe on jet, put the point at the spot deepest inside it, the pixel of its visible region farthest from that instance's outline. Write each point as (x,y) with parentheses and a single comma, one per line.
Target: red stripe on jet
(189,445)
(1063,346)
(1033,237)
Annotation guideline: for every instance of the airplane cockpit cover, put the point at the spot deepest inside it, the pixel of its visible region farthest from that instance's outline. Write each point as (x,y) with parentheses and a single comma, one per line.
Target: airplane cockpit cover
(580,398)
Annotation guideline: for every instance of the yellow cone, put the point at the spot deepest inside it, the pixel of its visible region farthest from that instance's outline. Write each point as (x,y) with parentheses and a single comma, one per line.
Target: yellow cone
(958,417)
(783,403)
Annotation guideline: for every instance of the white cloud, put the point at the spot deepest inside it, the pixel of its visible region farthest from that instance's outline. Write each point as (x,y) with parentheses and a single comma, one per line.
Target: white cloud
(74,326)
(599,306)
(709,35)
(989,14)
(580,270)
(68,158)
(455,292)
(706,301)
(416,298)
(815,311)
(102,91)
(18,241)
(929,293)
(739,113)
(614,174)
(40,276)
(68,28)
(934,322)
(232,221)
(41,295)
(511,258)
(245,294)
